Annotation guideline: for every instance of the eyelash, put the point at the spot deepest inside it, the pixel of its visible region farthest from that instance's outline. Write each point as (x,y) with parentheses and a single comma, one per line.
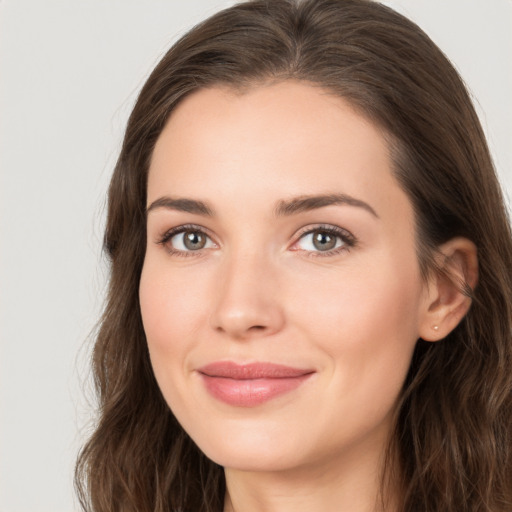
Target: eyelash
(168,235)
(348,240)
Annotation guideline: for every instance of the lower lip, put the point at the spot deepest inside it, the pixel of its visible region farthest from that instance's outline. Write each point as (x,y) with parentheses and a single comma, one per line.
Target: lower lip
(250,392)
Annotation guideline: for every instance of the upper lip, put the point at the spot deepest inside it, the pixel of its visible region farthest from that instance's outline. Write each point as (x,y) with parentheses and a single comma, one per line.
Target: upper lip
(232,370)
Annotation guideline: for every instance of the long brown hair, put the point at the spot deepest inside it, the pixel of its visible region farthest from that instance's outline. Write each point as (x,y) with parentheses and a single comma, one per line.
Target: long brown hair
(451,448)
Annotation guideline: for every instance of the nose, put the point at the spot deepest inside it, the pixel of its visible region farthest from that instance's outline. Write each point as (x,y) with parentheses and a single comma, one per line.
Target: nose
(247,302)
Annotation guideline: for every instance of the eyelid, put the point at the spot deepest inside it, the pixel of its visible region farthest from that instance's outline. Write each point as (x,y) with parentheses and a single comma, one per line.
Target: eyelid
(172,232)
(348,239)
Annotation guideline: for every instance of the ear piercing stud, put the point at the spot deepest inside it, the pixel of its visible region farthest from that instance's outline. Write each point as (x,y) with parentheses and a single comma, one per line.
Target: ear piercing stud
(436,327)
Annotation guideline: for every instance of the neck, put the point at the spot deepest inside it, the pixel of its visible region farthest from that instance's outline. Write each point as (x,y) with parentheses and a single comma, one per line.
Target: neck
(350,483)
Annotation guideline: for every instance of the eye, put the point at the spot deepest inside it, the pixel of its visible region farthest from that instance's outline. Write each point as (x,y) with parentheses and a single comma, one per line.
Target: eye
(189,241)
(329,240)
(186,239)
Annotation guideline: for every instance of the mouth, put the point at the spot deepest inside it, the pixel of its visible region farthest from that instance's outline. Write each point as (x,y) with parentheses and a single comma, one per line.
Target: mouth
(249,385)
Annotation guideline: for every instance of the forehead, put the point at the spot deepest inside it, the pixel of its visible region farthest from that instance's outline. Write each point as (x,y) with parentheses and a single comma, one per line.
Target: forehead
(270,141)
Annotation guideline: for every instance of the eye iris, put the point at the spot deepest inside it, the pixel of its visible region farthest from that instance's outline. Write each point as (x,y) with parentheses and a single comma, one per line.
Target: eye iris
(194,240)
(323,241)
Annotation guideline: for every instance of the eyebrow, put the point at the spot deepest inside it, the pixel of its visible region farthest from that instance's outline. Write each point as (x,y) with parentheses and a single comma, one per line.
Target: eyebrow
(283,208)
(307,203)
(181,205)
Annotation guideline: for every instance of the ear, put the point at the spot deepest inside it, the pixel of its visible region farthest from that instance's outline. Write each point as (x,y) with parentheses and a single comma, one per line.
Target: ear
(446,300)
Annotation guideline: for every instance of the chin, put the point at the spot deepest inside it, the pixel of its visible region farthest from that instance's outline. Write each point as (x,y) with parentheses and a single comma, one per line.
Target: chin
(252,459)
(250,449)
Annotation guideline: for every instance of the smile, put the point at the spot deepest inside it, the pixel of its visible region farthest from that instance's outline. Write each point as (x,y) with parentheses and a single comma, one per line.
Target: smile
(251,384)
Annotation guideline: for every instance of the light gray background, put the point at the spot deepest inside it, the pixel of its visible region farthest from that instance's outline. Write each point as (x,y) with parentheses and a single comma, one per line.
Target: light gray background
(69,74)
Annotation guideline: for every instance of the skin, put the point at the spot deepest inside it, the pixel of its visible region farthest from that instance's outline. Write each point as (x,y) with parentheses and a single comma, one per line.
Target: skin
(260,290)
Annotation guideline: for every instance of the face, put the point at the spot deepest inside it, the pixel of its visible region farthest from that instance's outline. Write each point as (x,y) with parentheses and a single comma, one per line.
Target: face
(281,294)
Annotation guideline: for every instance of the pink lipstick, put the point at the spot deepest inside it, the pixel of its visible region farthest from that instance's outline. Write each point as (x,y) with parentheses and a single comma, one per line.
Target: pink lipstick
(251,384)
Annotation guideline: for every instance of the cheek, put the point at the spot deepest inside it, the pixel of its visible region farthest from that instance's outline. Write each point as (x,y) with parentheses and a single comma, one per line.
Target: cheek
(172,309)
(360,300)
(170,304)
(368,329)
(367,323)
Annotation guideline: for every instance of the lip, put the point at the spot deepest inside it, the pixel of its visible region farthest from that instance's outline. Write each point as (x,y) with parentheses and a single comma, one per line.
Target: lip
(249,385)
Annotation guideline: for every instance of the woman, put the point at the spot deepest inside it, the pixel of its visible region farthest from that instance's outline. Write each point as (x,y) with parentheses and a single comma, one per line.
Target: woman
(310,296)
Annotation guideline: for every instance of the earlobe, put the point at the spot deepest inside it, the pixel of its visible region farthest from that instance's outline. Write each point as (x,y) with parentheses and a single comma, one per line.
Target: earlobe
(449,289)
